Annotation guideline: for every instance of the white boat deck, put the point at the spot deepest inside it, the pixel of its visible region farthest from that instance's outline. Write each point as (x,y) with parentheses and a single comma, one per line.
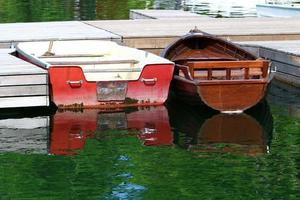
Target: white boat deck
(99,60)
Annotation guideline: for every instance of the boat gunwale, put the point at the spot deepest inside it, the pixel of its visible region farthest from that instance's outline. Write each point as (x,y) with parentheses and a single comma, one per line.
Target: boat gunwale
(127,80)
(190,35)
(222,82)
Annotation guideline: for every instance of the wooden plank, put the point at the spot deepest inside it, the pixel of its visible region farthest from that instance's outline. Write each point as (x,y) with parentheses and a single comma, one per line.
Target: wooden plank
(149,42)
(228,73)
(31,101)
(162,14)
(24,80)
(37,31)
(11,65)
(226,64)
(288,78)
(31,90)
(20,70)
(285,56)
(287,69)
(218,26)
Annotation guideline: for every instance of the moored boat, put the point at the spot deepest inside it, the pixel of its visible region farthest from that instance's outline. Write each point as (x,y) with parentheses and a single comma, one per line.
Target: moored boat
(278,9)
(216,72)
(86,73)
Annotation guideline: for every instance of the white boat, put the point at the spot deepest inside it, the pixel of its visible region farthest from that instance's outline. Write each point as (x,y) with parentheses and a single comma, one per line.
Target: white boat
(277,8)
(88,73)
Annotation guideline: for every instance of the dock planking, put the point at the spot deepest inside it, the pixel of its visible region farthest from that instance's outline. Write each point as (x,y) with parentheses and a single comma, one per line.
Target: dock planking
(21,84)
(154,35)
(163,14)
(39,31)
(285,57)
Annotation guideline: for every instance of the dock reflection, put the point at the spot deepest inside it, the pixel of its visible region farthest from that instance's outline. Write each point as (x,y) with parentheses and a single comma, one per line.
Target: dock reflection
(200,129)
(22,131)
(71,129)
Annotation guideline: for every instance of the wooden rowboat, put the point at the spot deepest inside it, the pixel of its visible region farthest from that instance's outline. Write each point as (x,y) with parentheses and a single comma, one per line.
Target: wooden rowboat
(88,74)
(214,71)
(278,9)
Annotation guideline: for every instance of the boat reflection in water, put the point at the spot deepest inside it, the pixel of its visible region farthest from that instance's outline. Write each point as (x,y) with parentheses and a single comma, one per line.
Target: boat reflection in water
(71,129)
(199,129)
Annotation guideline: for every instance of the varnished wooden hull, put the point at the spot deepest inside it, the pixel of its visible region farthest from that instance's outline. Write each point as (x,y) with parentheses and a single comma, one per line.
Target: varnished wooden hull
(222,96)
(232,97)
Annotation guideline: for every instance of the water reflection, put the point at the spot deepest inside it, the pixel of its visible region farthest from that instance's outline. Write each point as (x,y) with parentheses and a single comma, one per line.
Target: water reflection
(217,8)
(202,130)
(71,129)
(196,129)
(277,95)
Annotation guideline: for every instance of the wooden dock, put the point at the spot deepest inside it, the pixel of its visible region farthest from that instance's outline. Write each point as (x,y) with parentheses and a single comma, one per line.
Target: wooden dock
(21,83)
(163,14)
(285,57)
(72,30)
(154,35)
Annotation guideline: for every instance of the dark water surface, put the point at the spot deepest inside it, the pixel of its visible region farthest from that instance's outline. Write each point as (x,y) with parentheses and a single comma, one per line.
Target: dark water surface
(172,152)
(65,10)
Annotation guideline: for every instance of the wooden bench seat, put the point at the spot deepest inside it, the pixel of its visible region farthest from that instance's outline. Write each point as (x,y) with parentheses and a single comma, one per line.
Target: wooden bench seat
(222,73)
(224,70)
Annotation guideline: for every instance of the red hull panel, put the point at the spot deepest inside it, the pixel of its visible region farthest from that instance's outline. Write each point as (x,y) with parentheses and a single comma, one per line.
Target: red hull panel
(69,87)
